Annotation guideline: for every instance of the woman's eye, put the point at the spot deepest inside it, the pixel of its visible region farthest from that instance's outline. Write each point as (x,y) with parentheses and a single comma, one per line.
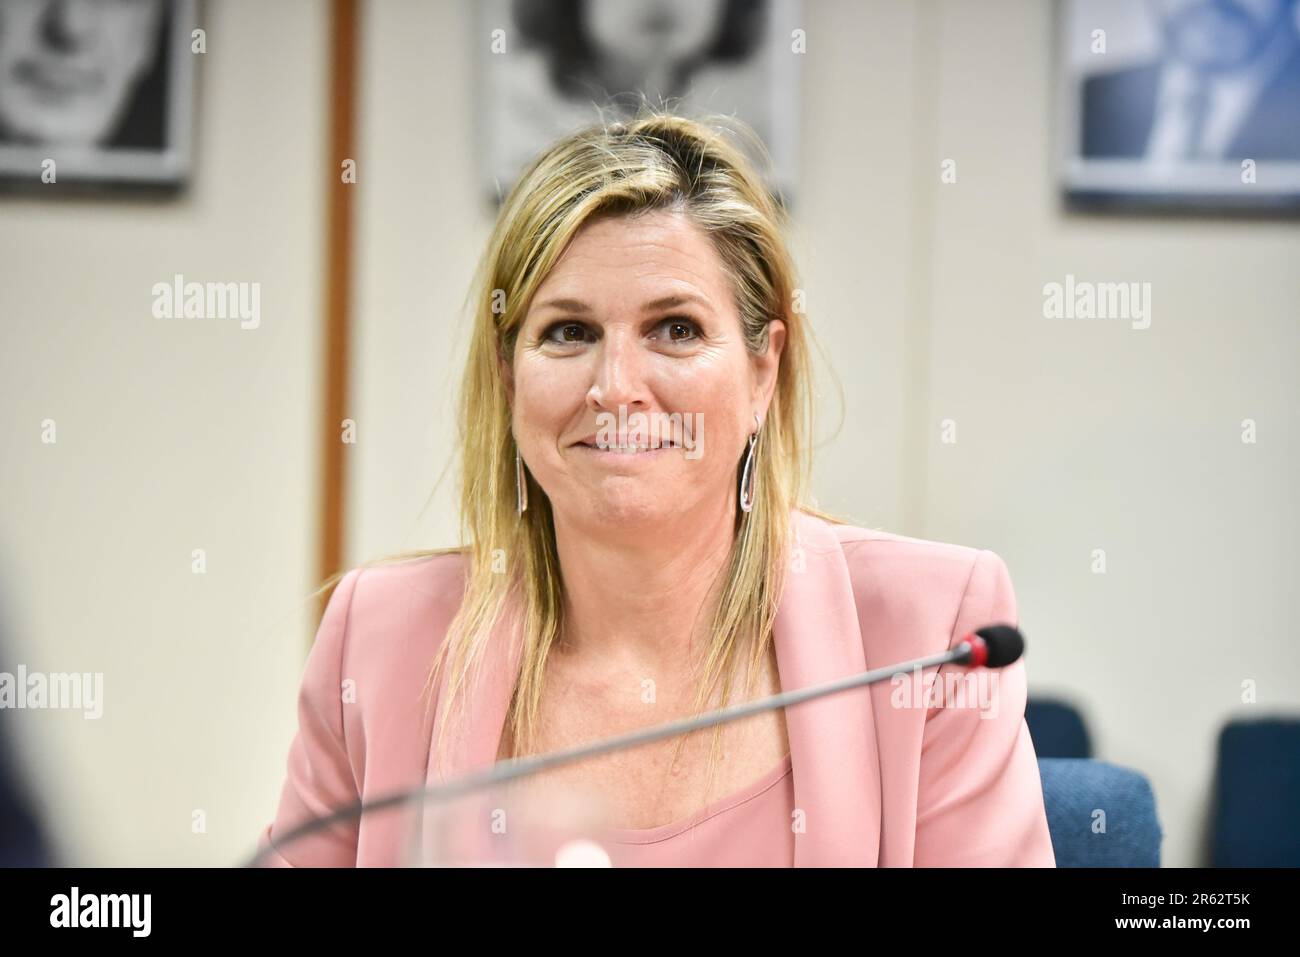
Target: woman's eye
(680,330)
(670,330)
(567,332)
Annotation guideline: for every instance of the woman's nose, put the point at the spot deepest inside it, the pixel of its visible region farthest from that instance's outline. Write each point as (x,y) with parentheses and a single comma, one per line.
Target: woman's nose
(619,377)
(66,24)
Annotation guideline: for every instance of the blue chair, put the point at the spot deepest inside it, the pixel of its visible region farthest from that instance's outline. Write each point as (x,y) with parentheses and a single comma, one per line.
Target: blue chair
(1257,795)
(1075,790)
(1057,729)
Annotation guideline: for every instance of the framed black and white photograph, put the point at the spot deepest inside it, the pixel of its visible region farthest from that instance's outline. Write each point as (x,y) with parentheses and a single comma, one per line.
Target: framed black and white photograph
(1181,104)
(548,67)
(97,91)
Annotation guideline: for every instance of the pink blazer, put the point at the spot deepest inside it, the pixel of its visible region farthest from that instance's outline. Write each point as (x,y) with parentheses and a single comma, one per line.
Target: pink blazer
(909,780)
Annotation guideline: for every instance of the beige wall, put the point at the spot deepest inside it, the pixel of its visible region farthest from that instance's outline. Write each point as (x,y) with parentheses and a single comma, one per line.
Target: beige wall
(928,297)
(172,435)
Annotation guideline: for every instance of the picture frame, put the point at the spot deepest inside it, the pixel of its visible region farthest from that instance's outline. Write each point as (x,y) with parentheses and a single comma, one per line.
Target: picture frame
(1180,106)
(104,102)
(540,77)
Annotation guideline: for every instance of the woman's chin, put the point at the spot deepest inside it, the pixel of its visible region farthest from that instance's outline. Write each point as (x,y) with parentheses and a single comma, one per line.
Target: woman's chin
(626,510)
(632,513)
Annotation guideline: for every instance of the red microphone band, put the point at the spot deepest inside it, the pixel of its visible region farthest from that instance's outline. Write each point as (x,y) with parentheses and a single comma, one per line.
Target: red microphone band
(979,651)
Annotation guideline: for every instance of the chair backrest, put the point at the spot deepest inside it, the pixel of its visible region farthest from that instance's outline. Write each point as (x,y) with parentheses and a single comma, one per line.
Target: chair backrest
(1057,729)
(1099,814)
(1256,811)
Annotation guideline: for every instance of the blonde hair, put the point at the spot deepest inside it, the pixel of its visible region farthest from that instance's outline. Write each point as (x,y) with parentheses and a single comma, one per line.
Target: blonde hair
(656,161)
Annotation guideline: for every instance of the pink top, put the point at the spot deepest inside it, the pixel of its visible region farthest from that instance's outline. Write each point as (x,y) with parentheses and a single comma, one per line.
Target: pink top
(763,812)
(889,776)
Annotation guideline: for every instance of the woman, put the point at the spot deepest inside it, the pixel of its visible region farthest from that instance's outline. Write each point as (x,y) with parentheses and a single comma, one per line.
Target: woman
(617,577)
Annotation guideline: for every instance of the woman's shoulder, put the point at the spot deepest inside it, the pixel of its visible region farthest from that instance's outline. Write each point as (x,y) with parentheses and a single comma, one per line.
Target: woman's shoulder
(435,578)
(888,553)
(434,575)
(900,579)
(389,602)
(894,554)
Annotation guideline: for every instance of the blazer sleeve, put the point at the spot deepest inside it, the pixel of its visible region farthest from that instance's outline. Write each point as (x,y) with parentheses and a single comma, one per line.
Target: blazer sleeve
(319,777)
(980,797)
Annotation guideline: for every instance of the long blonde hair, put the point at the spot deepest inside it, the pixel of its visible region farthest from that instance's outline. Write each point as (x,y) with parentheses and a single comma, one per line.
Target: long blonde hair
(656,161)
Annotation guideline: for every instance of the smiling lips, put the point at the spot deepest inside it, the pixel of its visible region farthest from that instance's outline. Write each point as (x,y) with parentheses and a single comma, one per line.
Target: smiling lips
(625,449)
(53,79)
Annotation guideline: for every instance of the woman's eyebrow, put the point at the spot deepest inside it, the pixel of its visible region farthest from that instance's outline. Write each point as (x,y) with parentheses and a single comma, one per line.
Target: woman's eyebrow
(671,302)
(664,302)
(566,305)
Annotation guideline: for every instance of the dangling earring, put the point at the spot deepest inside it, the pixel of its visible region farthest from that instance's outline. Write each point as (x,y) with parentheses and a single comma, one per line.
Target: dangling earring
(747,476)
(521,485)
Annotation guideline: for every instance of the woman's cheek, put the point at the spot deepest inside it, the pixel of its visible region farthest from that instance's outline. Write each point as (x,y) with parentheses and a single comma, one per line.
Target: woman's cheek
(546,389)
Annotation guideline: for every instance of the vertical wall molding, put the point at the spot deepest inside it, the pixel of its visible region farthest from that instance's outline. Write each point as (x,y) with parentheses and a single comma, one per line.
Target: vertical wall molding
(338,275)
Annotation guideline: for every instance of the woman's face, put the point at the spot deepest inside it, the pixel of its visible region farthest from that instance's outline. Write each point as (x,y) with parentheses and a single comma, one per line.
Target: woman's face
(68,68)
(638,32)
(634,340)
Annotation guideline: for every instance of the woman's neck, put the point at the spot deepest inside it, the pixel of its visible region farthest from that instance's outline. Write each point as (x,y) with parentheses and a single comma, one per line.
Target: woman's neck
(642,599)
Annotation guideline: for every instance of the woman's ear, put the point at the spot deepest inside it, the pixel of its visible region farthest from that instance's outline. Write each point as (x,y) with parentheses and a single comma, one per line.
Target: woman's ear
(767,365)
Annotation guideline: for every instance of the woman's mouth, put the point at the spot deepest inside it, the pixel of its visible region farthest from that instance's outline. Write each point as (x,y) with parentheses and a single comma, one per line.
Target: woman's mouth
(642,449)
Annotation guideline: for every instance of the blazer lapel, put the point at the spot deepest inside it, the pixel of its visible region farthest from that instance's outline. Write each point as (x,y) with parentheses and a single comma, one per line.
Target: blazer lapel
(832,739)
(471,747)
(487,695)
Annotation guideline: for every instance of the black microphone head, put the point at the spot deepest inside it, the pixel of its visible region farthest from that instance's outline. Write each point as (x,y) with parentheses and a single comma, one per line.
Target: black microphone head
(1005,644)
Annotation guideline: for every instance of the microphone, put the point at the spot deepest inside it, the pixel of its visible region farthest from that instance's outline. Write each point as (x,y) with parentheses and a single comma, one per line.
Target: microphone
(993,646)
